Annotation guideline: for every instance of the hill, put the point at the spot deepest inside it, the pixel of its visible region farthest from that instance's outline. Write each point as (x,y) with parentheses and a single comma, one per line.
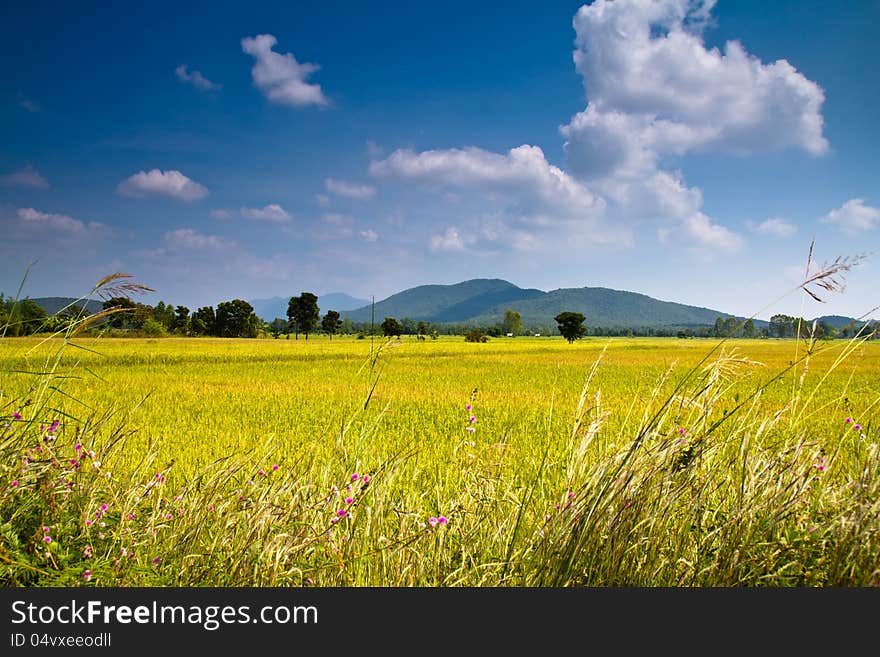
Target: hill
(53,304)
(483,301)
(269,309)
(447,303)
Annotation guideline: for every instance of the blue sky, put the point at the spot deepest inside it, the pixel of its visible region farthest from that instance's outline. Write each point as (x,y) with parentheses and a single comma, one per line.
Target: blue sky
(686,150)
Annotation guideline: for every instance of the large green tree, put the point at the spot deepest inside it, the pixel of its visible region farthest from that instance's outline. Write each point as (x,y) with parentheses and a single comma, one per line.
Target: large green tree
(391,327)
(303,314)
(330,323)
(235,319)
(512,322)
(571,325)
(202,322)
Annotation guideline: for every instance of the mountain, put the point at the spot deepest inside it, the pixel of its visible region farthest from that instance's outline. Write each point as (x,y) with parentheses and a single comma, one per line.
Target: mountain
(269,309)
(838,321)
(483,301)
(53,304)
(447,303)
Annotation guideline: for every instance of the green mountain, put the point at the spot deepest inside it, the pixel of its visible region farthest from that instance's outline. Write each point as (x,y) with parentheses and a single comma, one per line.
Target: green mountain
(446,303)
(483,302)
(53,304)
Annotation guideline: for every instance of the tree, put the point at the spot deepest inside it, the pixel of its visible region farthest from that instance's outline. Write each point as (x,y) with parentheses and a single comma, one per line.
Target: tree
(203,320)
(475,335)
(571,325)
(181,320)
(391,327)
(512,322)
(331,323)
(235,319)
(277,327)
(749,330)
(421,330)
(303,313)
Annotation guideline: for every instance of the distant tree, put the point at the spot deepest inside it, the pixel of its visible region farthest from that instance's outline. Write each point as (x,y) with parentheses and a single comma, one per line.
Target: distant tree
(203,320)
(749,330)
(409,325)
(730,327)
(347,326)
(181,320)
(718,331)
(164,314)
(391,327)
(331,323)
(153,327)
(235,319)
(421,330)
(303,313)
(277,327)
(781,326)
(571,325)
(475,335)
(512,322)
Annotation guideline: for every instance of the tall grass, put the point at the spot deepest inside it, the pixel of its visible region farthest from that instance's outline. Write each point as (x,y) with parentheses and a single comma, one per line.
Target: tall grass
(699,482)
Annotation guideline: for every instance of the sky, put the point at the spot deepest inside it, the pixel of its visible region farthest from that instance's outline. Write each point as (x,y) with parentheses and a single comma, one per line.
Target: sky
(689,150)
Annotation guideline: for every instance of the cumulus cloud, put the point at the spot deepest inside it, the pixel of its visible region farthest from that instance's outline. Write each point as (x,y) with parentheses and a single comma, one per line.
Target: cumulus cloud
(196,79)
(522,174)
(369,235)
(26,177)
(271,212)
(349,189)
(450,240)
(155,182)
(654,89)
(279,77)
(774,227)
(190,239)
(853,217)
(59,222)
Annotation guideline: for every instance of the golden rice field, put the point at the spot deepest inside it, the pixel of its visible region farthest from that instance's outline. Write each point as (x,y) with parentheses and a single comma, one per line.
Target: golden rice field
(608,461)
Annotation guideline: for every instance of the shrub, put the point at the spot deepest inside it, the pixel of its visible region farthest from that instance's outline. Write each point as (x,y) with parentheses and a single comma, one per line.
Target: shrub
(475,335)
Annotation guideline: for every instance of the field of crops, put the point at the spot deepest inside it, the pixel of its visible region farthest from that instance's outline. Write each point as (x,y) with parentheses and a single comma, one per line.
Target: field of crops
(524,461)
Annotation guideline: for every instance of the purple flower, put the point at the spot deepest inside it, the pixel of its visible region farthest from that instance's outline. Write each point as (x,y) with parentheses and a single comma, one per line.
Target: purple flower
(14,483)
(355,476)
(472,419)
(87,575)
(261,473)
(442,520)
(848,420)
(857,427)
(349,500)
(342,513)
(77,447)
(47,539)
(103,507)
(88,523)
(433,521)
(16,415)
(681,431)
(366,479)
(130,516)
(156,560)
(468,407)
(274,468)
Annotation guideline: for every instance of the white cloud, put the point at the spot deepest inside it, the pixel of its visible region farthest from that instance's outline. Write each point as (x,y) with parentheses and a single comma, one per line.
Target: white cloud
(654,89)
(271,212)
(774,227)
(161,183)
(853,217)
(369,235)
(451,240)
(322,201)
(26,177)
(279,77)
(220,213)
(60,222)
(522,174)
(196,79)
(334,226)
(190,239)
(349,189)
(697,230)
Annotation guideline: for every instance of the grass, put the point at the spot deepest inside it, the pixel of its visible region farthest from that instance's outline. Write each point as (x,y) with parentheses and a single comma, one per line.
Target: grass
(650,462)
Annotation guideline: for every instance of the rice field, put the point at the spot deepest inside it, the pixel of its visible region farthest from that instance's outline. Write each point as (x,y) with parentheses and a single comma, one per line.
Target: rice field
(518,462)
